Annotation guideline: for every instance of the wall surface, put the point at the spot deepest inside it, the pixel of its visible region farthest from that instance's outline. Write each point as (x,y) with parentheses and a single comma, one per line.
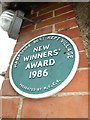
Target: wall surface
(72,101)
(83,19)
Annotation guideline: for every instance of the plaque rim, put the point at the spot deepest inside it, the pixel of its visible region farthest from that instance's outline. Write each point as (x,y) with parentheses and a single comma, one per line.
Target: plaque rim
(58,88)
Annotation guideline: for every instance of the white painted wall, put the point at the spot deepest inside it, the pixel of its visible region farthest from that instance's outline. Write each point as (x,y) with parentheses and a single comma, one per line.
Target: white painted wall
(7,45)
(6,50)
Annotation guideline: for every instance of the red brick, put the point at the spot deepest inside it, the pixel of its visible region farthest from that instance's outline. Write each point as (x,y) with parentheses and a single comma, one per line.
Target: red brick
(65,25)
(12,57)
(78,83)
(29,35)
(7,73)
(10,107)
(43,6)
(30,27)
(83,60)
(26,23)
(33,15)
(56,19)
(45,16)
(63,10)
(52,7)
(7,89)
(72,33)
(27,28)
(79,43)
(56,107)
(18,46)
(0,108)
(89,80)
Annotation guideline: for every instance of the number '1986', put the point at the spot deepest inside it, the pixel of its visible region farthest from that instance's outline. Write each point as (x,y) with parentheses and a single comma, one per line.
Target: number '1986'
(38,74)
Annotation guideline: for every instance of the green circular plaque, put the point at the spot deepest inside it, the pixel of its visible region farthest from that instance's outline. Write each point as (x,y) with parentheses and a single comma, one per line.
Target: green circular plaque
(44,65)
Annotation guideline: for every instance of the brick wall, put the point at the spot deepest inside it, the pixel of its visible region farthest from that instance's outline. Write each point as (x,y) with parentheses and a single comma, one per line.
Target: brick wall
(72,101)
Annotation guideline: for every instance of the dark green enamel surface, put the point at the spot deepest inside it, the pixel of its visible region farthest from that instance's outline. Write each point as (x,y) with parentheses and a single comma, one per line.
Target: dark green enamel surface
(57,73)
